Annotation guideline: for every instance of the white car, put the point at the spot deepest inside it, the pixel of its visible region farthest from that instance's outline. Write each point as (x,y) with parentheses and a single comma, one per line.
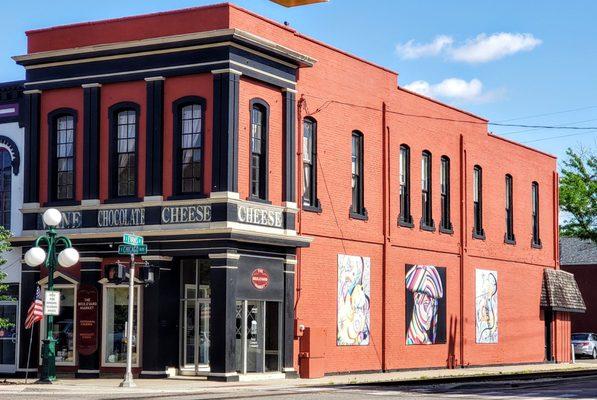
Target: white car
(585,344)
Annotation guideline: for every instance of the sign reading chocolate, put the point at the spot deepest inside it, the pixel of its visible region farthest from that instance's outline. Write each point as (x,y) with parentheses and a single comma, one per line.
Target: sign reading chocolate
(121,217)
(186,214)
(260,216)
(70,220)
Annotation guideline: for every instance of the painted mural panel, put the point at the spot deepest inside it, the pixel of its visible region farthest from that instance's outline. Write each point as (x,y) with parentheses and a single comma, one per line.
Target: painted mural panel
(354,300)
(425,304)
(486,321)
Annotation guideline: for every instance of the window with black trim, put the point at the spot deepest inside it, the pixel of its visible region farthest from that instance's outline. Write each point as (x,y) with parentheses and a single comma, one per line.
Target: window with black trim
(310,164)
(62,154)
(5,187)
(124,129)
(357,209)
(426,194)
(478,231)
(405,219)
(535,210)
(444,178)
(188,145)
(258,163)
(509,237)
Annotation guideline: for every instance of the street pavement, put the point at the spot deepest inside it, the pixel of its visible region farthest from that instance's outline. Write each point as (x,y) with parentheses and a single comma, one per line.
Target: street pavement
(569,388)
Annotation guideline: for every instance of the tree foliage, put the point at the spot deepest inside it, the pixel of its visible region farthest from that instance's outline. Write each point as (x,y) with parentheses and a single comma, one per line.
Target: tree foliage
(4,248)
(578,195)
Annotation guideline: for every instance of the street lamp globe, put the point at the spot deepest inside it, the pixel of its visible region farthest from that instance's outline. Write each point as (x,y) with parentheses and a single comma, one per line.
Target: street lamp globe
(35,256)
(68,257)
(52,217)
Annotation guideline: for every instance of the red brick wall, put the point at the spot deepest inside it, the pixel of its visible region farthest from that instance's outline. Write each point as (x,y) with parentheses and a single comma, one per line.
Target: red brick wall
(586,279)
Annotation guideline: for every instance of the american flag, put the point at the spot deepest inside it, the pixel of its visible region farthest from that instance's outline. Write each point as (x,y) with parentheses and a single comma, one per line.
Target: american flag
(35,312)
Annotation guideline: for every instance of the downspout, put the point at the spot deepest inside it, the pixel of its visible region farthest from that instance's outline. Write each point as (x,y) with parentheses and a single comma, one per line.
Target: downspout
(462,247)
(385,130)
(299,204)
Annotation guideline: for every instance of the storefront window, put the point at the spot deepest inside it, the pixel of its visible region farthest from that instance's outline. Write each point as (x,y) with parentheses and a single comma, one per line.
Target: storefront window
(63,328)
(116,300)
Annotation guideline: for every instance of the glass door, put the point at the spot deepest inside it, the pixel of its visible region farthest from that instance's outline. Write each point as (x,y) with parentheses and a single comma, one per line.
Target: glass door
(258,336)
(195,313)
(8,337)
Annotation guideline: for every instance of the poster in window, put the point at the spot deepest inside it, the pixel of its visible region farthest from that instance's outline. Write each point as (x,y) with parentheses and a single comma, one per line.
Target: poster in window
(486,306)
(425,304)
(354,304)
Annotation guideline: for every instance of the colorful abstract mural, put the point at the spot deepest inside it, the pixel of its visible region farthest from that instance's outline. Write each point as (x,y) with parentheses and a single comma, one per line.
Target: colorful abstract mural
(425,304)
(354,300)
(486,321)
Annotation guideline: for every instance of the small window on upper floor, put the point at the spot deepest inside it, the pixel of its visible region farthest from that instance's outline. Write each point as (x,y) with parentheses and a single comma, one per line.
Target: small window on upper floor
(478,231)
(405,219)
(357,210)
(5,187)
(124,131)
(310,201)
(62,155)
(536,241)
(509,236)
(444,178)
(426,193)
(188,145)
(259,145)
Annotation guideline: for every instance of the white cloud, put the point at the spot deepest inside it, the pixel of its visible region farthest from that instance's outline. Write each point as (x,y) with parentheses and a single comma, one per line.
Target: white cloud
(482,48)
(456,89)
(485,48)
(411,50)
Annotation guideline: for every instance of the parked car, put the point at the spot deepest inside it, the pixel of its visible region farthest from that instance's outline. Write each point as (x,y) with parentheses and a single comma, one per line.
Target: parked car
(585,344)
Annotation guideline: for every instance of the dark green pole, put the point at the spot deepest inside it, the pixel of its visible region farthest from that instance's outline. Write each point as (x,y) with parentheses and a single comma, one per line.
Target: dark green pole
(48,370)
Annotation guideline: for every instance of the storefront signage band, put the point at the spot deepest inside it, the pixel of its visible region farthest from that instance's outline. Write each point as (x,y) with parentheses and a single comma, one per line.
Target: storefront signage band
(260,216)
(186,214)
(121,217)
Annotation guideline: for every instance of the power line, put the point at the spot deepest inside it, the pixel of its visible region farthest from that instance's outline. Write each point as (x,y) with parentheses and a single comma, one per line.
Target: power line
(547,114)
(538,129)
(558,137)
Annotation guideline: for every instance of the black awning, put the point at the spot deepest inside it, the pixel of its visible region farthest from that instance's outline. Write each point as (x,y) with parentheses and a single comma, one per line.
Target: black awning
(560,292)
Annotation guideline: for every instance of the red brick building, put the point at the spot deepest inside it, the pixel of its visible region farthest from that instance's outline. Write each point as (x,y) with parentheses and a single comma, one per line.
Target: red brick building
(281,184)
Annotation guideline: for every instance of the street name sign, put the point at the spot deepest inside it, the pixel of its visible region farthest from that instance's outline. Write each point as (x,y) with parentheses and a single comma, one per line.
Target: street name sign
(132,239)
(125,249)
(52,302)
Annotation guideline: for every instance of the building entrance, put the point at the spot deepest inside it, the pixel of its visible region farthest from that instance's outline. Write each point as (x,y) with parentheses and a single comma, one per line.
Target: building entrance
(195,313)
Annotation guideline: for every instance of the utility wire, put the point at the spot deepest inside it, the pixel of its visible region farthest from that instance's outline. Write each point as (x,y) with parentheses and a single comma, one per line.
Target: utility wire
(547,114)
(558,137)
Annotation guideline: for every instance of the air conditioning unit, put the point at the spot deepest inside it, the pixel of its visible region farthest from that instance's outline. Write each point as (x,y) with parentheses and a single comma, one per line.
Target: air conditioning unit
(294,3)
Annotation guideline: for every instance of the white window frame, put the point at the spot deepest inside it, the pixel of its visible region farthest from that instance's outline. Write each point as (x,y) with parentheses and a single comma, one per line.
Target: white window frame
(138,296)
(42,325)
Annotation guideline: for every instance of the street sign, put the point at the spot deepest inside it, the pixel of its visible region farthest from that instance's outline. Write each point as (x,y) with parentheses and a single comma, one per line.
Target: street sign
(52,302)
(127,249)
(134,240)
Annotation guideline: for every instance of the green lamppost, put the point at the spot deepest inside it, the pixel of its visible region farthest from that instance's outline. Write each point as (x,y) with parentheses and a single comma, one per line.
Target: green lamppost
(66,258)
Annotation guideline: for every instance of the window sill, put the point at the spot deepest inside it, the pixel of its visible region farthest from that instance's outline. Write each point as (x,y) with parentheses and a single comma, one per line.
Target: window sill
(314,209)
(511,241)
(360,216)
(57,203)
(479,235)
(187,196)
(258,200)
(118,200)
(405,223)
(536,245)
(427,227)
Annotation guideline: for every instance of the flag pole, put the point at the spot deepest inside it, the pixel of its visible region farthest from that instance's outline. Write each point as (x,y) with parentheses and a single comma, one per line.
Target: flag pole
(29,354)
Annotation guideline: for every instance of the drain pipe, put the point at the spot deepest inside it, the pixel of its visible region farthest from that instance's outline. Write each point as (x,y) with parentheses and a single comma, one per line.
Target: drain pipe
(385,131)
(462,246)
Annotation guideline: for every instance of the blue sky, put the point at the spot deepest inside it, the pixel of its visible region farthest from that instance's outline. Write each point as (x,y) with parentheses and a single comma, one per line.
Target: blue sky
(509,61)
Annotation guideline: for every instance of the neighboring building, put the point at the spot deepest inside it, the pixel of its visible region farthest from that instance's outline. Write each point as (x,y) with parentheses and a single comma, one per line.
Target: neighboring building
(306,212)
(579,257)
(11,201)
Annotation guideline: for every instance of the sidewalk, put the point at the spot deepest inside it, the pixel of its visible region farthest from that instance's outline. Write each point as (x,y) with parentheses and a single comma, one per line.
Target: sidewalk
(200,385)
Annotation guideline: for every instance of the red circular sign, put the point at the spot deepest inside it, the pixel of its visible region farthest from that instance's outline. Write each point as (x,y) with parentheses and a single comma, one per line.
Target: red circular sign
(260,278)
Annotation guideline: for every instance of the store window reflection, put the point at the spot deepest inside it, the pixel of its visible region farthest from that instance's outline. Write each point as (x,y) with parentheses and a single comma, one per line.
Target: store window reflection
(115,317)
(64,326)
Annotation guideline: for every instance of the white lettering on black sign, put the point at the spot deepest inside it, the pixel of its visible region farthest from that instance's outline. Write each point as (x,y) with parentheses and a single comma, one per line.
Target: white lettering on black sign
(260,216)
(70,220)
(186,214)
(121,217)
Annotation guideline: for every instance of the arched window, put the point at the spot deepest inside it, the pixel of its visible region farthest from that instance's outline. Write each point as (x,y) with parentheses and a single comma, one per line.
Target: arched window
(478,231)
(5,187)
(509,237)
(259,146)
(310,164)
(188,145)
(63,124)
(124,135)
(405,219)
(426,192)
(444,178)
(357,210)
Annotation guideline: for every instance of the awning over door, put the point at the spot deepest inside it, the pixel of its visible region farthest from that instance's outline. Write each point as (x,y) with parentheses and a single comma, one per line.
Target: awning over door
(560,292)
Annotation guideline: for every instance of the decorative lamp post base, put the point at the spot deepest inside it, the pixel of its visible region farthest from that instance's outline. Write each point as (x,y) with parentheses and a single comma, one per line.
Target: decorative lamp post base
(128,381)
(48,372)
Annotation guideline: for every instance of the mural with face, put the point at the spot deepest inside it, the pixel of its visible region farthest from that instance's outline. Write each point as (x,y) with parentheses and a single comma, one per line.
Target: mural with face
(353,300)
(425,304)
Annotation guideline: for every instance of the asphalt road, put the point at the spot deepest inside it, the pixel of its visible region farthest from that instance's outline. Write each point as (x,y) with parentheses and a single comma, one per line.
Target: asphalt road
(578,388)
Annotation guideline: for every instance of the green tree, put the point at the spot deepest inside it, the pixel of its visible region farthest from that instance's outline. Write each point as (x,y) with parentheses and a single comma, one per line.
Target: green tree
(4,247)
(578,194)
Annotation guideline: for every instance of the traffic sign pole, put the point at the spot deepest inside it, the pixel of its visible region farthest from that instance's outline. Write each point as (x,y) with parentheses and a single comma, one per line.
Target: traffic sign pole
(128,376)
